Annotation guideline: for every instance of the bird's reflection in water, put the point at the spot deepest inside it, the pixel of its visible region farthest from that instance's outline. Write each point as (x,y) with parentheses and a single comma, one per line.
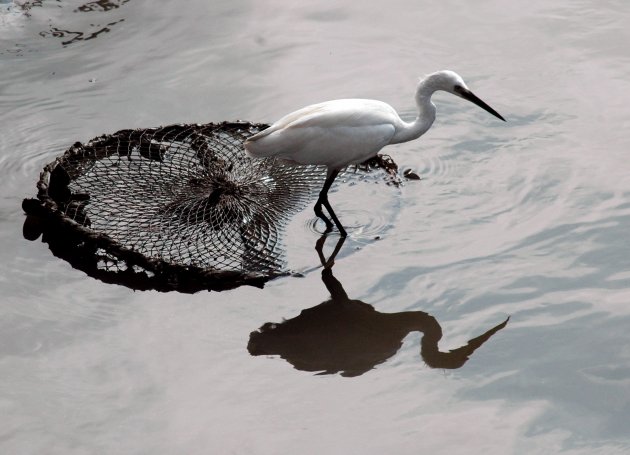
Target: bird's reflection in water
(350,337)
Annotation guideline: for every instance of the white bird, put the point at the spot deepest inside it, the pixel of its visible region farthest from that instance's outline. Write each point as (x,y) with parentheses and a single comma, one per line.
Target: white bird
(350,131)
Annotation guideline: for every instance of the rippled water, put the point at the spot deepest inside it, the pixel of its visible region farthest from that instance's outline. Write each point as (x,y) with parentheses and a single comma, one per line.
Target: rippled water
(527,219)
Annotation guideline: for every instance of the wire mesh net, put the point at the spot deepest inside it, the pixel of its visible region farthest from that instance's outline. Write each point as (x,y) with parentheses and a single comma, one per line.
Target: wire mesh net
(179,207)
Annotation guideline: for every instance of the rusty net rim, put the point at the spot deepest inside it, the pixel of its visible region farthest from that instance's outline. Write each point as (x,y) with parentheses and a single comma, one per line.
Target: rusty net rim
(76,244)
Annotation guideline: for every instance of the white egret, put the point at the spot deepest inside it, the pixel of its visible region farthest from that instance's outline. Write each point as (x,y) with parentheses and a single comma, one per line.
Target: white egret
(350,131)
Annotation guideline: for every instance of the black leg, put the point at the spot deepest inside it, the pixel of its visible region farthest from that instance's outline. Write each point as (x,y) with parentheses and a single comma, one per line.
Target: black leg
(342,231)
(323,199)
(320,214)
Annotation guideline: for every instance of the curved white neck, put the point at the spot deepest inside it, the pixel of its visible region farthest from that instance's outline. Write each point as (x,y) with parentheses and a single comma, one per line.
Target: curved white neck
(426,115)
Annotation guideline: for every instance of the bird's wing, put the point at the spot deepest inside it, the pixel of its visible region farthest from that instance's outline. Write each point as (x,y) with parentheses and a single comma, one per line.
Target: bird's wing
(327,133)
(347,113)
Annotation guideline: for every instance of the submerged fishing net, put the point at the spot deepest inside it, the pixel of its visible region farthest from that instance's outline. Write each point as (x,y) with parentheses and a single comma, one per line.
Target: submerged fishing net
(179,207)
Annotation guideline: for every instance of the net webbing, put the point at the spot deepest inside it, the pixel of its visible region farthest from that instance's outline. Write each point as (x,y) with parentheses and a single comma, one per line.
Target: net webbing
(179,207)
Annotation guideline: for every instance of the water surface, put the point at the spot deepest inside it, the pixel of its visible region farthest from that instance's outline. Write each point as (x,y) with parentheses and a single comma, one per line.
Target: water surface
(527,219)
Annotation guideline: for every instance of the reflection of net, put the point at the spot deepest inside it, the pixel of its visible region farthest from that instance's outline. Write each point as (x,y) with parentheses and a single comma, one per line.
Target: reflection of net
(178,207)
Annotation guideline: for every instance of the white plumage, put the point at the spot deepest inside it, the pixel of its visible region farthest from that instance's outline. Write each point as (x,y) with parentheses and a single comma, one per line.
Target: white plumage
(349,131)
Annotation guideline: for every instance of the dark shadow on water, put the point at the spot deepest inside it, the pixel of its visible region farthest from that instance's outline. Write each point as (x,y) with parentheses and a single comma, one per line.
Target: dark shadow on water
(350,337)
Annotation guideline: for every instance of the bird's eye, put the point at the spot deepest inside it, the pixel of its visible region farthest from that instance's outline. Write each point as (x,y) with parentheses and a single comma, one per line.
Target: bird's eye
(458,89)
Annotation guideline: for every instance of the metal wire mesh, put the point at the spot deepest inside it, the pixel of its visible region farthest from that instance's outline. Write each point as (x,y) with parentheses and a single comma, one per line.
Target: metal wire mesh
(179,207)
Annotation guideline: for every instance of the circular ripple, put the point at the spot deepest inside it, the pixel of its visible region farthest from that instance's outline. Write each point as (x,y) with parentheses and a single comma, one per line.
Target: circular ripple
(439,165)
(361,224)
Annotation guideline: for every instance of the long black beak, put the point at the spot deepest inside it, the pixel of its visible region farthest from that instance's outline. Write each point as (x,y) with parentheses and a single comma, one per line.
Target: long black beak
(470,96)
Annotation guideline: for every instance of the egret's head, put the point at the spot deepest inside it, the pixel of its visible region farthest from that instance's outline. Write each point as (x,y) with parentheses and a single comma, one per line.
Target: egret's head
(444,80)
(450,81)
(447,80)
